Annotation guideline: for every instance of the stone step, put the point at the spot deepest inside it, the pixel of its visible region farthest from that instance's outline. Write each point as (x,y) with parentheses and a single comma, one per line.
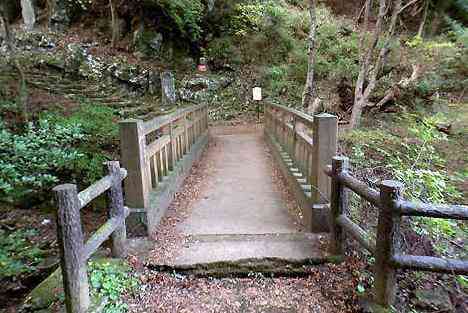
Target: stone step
(206,249)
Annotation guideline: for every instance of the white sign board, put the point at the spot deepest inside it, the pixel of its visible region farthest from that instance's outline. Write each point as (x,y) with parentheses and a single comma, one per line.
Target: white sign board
(257,94)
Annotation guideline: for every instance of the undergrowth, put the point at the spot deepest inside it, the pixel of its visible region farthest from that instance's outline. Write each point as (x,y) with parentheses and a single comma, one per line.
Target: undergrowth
(17,254)
(111,281)
(408,151)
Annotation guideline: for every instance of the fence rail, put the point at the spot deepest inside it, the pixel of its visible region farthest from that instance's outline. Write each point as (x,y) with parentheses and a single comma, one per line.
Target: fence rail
(305,144)
(151,151)
(392,207)
(74,251)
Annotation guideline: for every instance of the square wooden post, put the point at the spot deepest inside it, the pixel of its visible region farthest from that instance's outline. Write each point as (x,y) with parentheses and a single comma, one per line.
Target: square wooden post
(70,239)
(133,145)
(388,243)
(338,205)
(324,149)
(117,210)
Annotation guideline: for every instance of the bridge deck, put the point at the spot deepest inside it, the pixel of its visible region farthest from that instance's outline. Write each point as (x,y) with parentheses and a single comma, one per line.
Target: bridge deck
(240,212)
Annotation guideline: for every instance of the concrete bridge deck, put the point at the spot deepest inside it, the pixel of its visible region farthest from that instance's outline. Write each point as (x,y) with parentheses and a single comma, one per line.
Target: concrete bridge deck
(241,212)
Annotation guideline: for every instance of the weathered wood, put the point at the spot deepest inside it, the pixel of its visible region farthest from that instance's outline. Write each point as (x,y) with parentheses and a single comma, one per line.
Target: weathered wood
(324,149)
(303,117)
(388,239)
(430,264)
(117,210)
(70,238)
(456,212)
(356,232)
(103,234)
(338,205)
(133,154)
(98,188)
(162,121)
(357,186)
(157,145)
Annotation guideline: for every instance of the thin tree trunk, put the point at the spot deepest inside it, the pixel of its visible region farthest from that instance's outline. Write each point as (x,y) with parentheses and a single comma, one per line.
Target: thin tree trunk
(309,93)
(115,29)
(367,71)
(424,18)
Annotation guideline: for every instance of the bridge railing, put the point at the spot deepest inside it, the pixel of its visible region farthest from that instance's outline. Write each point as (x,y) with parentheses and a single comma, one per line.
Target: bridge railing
(306,145)
(386,248)
(74,253)
(152,150)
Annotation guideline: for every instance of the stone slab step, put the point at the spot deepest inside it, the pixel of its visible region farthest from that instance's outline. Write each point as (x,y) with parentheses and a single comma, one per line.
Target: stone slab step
(205,249)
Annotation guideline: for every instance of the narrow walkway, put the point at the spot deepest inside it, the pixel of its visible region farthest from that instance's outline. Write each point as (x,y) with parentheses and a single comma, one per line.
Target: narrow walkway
(240,213)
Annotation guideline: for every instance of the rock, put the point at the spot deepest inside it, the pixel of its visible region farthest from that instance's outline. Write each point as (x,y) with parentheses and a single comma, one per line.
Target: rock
(29,14)
(74,58)
(148,42)
(154,83)
(169,95)
(437,298)
(210,5)
(60,17)
(200,87)
(46,292)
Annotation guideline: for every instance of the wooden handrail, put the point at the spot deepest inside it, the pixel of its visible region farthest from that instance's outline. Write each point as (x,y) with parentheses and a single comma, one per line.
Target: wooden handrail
(391,207)
(164,120)
(151,151)
(455,212)
(98,188)
(74,254)
(309,143)
(304,117)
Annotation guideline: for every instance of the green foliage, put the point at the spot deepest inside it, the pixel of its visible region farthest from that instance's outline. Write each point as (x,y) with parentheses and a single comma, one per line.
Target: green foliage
(223,50)
(413,158)
(111,281)
(31,160)
(17,254)
(55,149)
(187,16)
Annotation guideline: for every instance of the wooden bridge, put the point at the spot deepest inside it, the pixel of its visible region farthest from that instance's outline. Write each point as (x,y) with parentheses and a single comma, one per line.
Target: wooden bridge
(240,216)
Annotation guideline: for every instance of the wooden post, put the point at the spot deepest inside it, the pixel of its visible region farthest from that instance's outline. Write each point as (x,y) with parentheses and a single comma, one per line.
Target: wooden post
(388,242)
(338,205)
(117,209)
(133,145)
(70,238)
(324,149)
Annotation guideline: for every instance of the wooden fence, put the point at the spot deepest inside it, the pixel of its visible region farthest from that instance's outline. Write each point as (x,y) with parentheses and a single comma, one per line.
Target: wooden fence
(152,151)
(303,146)
(74,252)
(392,207)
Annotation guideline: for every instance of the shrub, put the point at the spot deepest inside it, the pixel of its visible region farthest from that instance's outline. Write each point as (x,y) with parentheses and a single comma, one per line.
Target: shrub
(31,161)
(55,149)
(17,255)
(186,15)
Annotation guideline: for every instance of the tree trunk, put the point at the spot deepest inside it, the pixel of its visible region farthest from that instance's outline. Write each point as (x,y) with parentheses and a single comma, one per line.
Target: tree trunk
(309,94)
(424,18)
(115,27)
(370,69)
